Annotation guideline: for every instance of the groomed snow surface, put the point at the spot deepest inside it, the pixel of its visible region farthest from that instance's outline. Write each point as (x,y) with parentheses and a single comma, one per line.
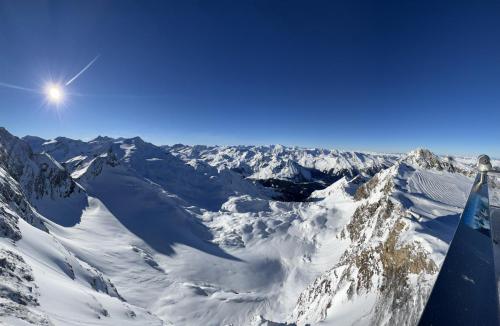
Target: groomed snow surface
(185,236)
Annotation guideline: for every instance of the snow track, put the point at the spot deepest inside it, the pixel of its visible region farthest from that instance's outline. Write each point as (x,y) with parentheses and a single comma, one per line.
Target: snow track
(447,189)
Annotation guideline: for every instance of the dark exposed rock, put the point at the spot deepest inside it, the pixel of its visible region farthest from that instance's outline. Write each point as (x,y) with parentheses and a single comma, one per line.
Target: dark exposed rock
(26,178)
(365,190)
(18,292)
(291,191)
(101,283)
(428,160)
(300,191)
(13,205)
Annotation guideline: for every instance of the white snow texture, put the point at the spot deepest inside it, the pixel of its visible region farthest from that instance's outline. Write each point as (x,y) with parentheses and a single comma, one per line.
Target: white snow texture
(123,232)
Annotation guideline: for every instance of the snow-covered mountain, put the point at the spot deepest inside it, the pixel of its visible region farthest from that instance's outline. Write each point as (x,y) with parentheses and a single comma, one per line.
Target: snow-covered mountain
(42,282)
(287,163)
(294,172)
(120,231)
(395,242)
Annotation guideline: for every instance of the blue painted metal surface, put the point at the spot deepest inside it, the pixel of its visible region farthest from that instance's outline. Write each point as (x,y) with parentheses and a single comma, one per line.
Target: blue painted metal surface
(466,292)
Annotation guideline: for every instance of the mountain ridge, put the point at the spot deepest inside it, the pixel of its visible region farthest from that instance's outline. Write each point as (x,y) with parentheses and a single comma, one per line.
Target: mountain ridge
(222,235)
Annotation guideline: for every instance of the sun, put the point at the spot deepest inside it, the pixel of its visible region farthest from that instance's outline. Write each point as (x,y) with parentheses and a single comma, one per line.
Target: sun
(54,93)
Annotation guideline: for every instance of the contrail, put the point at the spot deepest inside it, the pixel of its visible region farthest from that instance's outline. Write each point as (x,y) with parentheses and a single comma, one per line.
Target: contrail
(18,87)
(82,71)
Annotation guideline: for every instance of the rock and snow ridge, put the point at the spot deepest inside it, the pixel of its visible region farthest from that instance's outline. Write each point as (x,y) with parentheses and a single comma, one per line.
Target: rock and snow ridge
(294,172)
(41,280)
(397,237)
(119,231)
(287,163)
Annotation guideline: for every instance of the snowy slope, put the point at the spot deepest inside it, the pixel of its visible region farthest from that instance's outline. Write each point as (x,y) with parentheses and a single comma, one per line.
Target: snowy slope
(68,291)
(245,273)
(198,184)
(184,235)
(42,282)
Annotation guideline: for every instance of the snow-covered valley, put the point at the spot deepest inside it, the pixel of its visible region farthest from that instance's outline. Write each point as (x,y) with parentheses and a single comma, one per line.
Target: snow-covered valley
(123,232)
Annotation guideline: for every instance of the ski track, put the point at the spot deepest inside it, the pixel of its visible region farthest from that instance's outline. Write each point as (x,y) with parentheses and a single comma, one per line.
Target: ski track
(438,188)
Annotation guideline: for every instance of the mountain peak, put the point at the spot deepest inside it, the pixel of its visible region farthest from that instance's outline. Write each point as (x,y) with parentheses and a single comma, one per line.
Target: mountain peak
(137,139)
(6,136)
(421,153)
(424,158)
(101,139)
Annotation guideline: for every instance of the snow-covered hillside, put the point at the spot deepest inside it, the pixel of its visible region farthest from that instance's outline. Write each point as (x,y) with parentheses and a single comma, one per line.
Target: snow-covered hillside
(120,231)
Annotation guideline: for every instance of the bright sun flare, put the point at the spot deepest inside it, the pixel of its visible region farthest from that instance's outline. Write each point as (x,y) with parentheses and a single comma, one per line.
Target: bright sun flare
(54,93)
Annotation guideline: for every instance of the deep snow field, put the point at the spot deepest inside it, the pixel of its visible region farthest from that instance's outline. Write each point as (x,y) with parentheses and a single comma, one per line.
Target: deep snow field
(123,232)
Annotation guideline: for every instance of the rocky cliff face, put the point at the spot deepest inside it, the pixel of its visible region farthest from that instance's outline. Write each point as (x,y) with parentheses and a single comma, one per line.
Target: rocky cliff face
(18,292)
(13,205)
(38,174)
(17,184)
(33,180)
(386,273)
(425,159)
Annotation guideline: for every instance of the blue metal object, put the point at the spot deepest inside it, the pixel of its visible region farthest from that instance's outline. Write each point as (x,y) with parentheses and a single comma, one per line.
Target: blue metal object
(466,292)
(476,212)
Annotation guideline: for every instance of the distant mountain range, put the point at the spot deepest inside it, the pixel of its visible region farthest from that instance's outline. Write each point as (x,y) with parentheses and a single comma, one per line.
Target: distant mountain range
(123,232)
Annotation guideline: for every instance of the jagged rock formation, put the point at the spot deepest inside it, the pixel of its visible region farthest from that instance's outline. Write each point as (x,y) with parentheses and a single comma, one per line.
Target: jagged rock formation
(17,165)
(39,175)
(387,266)
(427,160)
(18,292)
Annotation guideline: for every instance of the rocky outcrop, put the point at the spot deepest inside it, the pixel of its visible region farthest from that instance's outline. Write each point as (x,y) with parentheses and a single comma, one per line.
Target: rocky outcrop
(18,291)
(382,261)
(39,175)
(26,179)
(14,205)
(425,159)
(96,165)
(47,179)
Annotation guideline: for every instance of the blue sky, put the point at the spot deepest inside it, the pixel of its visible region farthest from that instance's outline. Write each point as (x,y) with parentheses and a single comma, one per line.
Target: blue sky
(366,75)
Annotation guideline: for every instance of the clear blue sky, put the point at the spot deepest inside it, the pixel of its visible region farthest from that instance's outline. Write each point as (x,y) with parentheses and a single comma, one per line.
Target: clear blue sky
(368,75)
